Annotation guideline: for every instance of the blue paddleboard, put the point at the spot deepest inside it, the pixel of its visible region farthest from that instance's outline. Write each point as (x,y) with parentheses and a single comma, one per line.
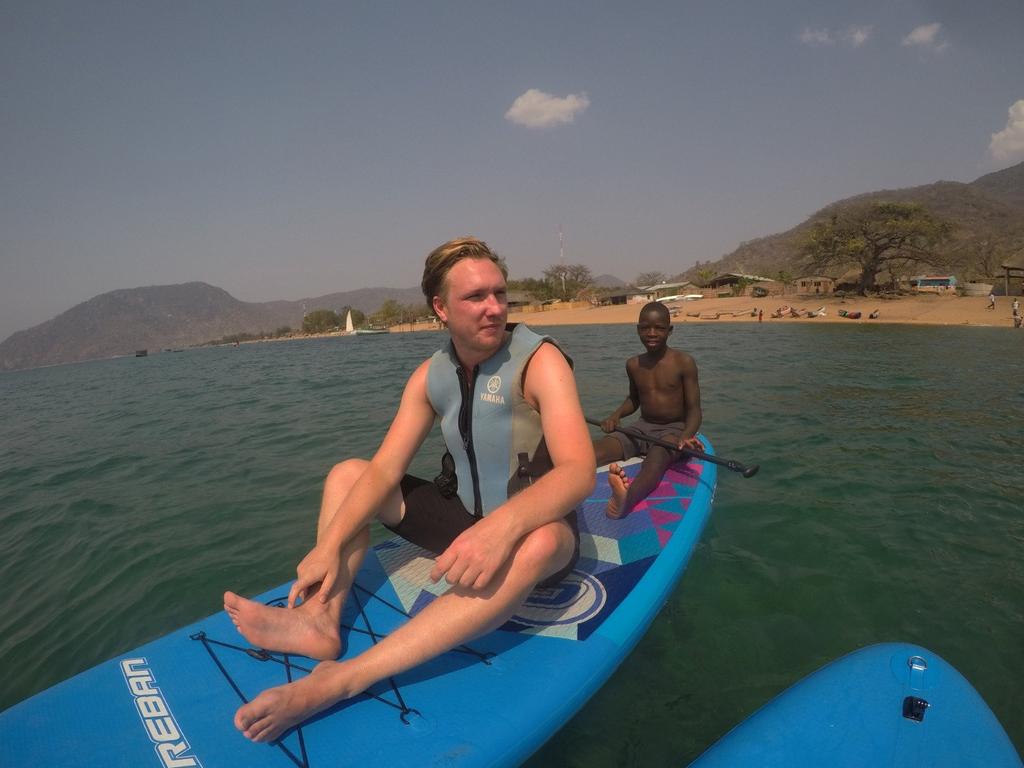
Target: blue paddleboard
(892,705)
(492,702)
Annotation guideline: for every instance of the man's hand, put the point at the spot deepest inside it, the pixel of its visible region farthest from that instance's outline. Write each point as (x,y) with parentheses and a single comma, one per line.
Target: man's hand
(318,567)
(609,424)
(475,556)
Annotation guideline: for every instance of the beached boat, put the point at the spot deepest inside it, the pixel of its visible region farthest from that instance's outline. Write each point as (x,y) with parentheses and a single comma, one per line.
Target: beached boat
(351,330)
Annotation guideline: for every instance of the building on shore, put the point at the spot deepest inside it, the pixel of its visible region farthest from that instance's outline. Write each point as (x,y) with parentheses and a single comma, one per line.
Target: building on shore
(740,284)
(933,283)
(816,284)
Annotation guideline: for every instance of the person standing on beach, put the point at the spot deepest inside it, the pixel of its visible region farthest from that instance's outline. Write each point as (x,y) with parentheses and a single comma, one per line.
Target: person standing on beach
(1016,313)
(991,300)
(663,384)
(493,545)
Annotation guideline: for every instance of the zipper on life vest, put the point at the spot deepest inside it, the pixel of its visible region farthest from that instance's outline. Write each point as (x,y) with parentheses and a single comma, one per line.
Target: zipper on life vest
(466,430)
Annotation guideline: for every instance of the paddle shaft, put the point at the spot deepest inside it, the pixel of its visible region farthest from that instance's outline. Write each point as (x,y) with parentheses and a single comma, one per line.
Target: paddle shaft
(734,466)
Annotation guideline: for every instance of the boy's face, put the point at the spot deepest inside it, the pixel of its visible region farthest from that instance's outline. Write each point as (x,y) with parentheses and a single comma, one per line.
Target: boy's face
(653,329)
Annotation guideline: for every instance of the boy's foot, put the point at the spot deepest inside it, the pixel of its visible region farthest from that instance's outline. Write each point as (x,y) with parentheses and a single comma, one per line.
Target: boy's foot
(308,629)
(619,483)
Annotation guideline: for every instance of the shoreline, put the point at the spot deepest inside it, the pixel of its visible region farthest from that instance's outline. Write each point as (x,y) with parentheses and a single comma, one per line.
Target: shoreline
(924,309)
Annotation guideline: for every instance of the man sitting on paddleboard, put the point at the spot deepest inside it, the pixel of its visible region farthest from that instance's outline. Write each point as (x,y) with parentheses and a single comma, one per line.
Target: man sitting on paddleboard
(663,385)
(499,393)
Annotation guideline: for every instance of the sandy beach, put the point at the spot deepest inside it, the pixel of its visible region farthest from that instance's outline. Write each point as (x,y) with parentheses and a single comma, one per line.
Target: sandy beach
(925,309)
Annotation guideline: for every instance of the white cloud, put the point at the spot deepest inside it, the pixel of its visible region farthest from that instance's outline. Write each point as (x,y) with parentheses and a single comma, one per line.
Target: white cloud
(857,36)
(816,37)
(854,36)
(1008,144)
(536,109)
(926,36)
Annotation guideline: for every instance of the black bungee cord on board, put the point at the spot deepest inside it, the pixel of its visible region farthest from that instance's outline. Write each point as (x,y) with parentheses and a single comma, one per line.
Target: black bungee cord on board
(262,655)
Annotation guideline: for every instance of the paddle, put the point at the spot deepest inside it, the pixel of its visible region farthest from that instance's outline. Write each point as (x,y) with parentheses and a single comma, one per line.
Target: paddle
(735,466)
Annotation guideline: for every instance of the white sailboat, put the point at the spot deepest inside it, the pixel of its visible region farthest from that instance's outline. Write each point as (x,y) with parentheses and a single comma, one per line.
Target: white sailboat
(351,330)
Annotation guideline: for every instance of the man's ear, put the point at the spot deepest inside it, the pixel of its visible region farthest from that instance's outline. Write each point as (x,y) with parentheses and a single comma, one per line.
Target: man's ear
(439,309)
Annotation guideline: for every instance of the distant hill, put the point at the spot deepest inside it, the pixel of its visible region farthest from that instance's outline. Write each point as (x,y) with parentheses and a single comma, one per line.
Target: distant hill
(1006,185)
(366,300)
(169,316)
(989,213)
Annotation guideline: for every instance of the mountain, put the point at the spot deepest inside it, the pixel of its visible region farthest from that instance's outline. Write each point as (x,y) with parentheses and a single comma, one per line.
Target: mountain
(1006,185)
(988,212)
(161,316)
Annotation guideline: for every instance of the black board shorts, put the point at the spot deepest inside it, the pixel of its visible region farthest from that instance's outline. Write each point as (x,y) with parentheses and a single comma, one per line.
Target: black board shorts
(433,522)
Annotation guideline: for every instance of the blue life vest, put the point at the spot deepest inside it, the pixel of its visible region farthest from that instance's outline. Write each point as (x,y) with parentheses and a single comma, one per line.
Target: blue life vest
(489,429)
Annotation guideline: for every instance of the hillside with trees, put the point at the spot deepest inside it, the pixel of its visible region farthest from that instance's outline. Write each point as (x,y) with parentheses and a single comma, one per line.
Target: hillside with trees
(984,223)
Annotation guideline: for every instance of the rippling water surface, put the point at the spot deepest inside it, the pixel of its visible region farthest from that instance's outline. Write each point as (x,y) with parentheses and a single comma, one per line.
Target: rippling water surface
(888,507)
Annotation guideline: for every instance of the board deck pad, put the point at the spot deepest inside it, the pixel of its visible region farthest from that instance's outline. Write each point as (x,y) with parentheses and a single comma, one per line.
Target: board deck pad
(614,555)
(491,702)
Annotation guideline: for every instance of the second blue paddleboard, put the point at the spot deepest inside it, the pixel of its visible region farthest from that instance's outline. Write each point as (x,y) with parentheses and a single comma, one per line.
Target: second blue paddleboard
(892,705)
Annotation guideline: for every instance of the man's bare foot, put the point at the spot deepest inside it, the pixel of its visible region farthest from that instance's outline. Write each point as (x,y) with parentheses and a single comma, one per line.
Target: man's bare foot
(310,629)
(269,715)
(619,483)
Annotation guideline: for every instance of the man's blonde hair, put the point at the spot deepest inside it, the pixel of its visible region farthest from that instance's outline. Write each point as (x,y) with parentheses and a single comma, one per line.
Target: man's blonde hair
(446,256)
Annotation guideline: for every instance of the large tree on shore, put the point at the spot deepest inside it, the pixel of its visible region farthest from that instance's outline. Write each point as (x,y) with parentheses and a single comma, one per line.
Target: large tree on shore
(538,289)
(567,280)
(874,236)
(645,279)
(320,321)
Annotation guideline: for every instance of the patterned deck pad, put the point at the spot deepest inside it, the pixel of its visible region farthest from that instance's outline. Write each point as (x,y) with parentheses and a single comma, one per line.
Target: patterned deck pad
(614,555)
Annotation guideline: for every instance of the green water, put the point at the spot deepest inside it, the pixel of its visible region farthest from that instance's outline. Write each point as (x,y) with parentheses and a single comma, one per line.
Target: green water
(888,507)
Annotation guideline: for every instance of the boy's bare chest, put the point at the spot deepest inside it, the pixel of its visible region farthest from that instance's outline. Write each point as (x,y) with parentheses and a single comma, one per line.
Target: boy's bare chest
(660,378)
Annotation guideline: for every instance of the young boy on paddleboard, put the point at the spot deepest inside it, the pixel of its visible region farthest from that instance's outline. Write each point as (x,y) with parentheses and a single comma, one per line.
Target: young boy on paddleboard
(493,545)
(663,385)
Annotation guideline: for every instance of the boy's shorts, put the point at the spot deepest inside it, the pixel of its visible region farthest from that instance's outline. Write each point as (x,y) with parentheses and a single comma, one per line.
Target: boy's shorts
(630,447)
(433,522)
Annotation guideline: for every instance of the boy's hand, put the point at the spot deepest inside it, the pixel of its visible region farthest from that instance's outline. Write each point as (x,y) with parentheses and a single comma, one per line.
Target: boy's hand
(609,425)
(693,443)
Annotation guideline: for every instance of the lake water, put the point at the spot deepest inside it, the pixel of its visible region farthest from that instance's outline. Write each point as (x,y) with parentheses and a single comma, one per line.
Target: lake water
(888,507)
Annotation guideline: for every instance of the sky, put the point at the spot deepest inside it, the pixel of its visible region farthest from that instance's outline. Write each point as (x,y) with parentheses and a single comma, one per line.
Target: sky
(285,150)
